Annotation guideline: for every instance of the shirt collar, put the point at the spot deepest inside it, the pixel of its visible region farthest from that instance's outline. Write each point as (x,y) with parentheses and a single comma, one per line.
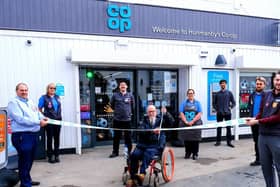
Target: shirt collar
(22,99)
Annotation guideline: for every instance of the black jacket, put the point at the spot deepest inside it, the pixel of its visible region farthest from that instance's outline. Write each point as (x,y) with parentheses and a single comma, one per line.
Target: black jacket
(148,139)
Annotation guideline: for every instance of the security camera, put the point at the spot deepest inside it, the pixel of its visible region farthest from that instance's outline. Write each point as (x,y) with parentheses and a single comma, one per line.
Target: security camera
(28,42)
(233,50)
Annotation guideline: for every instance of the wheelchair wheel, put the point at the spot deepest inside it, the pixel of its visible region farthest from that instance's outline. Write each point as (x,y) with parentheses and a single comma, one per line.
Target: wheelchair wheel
(156,181)
(167,164)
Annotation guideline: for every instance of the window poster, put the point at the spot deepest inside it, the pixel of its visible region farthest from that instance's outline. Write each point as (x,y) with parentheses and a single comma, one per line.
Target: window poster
(213,86)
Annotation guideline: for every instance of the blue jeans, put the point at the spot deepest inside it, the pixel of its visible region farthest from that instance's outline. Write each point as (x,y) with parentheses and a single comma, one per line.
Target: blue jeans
(146,155)
(25,144)
(269,148)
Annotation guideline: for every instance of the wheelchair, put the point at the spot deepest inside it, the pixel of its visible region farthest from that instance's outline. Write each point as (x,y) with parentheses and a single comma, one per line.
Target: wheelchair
(164,164)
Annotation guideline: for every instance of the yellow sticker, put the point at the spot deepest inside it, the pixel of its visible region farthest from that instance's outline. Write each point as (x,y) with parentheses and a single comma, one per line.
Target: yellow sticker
(2,132)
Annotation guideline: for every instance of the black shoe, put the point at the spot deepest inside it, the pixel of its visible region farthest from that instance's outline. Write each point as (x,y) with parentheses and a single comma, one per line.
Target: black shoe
(35,183)
(195,157)
(113,155)
(255,163)
(51,160)
(187,155)
(56,159)
(230,145)
(217,144)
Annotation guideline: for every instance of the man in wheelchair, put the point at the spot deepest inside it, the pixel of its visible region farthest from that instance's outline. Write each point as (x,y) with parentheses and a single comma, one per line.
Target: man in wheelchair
(150,143)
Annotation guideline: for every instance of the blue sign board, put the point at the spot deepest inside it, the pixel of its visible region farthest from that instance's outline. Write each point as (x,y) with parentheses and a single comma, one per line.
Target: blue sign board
(134,20)
(213,86)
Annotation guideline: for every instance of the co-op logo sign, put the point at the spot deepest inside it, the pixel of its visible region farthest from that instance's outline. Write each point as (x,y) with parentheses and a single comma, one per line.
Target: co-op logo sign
(119,17)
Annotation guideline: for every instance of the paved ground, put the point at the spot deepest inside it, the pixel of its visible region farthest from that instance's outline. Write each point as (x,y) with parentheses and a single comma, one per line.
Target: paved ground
(216,167)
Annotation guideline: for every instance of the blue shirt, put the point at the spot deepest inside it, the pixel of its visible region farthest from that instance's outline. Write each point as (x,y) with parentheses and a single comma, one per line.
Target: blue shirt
(54,103)
(24,115)
(188,103)
(257,104)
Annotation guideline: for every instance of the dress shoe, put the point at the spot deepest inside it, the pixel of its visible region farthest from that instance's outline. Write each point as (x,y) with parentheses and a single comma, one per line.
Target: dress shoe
(187,155)
(140,178)
(56,159)
(35,183)
(113,155)
(51,160)
(230,145)
(217,144)
(255,163)
(131,183)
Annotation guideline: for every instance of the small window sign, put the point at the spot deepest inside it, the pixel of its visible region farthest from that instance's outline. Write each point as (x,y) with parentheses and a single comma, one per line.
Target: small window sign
(60,89)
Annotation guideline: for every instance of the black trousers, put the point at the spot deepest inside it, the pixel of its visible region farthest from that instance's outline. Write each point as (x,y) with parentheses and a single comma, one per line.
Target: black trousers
(53,136)
(222,117)
(118,135)
(255,133)
(191,147)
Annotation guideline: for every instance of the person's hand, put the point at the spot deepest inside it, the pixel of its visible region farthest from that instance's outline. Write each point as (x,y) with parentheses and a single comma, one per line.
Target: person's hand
(251,121)
(190,123)
(108,108)
(43,122)
(156,130)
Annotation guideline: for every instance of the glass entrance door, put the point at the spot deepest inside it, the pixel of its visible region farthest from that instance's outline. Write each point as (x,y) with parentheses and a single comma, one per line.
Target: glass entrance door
(97,88)
(98,85)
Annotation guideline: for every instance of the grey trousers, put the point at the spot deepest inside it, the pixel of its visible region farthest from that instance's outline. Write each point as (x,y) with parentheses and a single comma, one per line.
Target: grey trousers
(269,147)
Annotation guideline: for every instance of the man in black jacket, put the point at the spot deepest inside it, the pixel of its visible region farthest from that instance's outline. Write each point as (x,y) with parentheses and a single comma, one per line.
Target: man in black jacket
(254,107)
(223,103)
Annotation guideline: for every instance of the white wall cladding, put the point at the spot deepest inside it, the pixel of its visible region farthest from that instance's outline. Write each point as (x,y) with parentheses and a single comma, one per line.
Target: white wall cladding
(259,8)
(37,65)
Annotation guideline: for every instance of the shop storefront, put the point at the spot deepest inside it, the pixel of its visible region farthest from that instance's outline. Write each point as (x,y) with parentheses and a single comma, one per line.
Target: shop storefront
(158,51)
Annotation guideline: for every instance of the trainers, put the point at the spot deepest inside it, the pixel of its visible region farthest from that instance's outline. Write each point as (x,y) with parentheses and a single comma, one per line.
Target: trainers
(195,157)
(113,155)
(217,144)
(187,155)
(255,163)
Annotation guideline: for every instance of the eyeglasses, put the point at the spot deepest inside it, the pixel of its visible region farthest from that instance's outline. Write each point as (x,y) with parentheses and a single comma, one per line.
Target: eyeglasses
(190,93)
(52,88)
(151,111)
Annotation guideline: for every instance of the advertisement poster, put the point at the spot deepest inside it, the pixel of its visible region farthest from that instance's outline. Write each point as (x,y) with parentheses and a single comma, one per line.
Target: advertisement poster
(247,86)
(170,82)
(213,86)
